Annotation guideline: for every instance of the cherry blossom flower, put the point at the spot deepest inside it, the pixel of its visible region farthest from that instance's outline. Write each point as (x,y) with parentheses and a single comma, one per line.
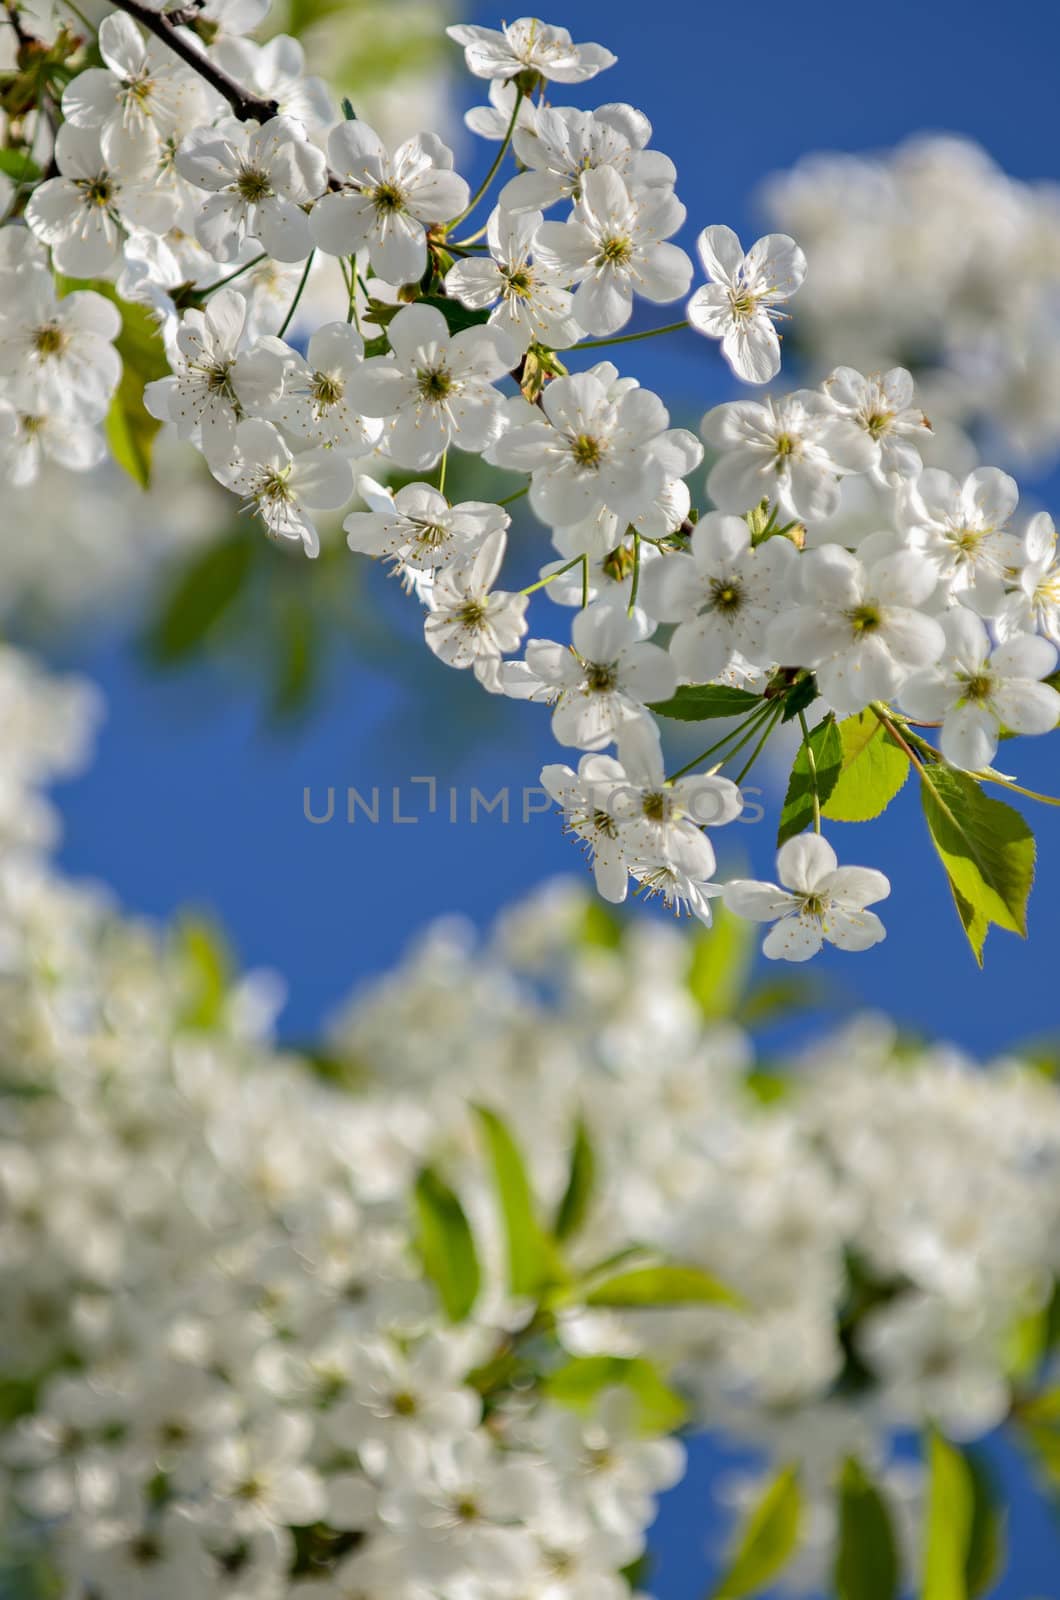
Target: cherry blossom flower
(723,596)
(604,681)
(740,305)
(963,529)
(284,489)
(615,246)
(82,213)
(975,691)
(315,402)
(530,299)
(820,901)
(594,449)
(471,624)
(434,390)
(260,180)
(528,45)
(59,353)
(387,201)
(860,622)
(882,405)
(1034,606)
(216,377)
(559,145)
(417,526)
(793,450)
(137,98)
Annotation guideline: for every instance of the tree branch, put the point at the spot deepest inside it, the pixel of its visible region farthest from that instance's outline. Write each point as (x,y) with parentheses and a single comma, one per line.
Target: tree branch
(247,107)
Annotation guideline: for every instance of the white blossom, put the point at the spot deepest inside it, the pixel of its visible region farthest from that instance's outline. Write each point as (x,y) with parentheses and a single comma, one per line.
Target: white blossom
(528,45)
(259,180)
(819,901)
(740,305)
(976,691)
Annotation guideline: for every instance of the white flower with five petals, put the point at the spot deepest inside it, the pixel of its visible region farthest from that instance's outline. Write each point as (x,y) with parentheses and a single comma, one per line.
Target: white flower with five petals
(975,691)
(434,390)
(820,901)
(615,246)
(529,45)
(387,200)
(260,180)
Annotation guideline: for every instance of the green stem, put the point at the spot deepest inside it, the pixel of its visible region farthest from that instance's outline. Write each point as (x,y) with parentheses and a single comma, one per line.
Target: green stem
(752,721)
(771,723)
(541,582)
(630,338)
(200,294)
(635,585)
(518,495)
(1007,783)
(293,307)
(491,174)
(585,581)
(441,471)
(811,762)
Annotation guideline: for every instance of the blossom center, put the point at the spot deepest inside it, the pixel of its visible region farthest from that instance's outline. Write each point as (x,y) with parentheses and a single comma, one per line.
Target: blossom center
(97,191)
(49,340)
(435,384)
(326,390)
(654,806)
(864,619)
(786,446)
(967,540)
(877,422)
(519,281)
(600,676)
(619,564)
(404,1404)
(587,450)
(615,252)
(472,614)
(978,687)
(388,199)
(742,303)
(252,184)
(726,594)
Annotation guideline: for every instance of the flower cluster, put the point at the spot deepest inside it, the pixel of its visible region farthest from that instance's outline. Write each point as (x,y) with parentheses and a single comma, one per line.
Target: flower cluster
(930,255)
(827,570)
(237,1364)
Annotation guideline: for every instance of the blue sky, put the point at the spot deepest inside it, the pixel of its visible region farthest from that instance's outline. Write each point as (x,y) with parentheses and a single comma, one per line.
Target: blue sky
(193,800)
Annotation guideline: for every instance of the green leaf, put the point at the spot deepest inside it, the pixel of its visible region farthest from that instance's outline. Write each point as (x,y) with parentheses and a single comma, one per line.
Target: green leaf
(948,1525)
(987,850)
(665,1285)
(799,697)
(873,771)
(698,702)
(209,969)
(457,316)
(20,166)
(202,593)
(721,962)
(766,1541)
(577,1197)
(866,1566)
(985,1560)
(600,928)
(533,1262)
(296,660)
(827,749)
(130,428)
(446,1245)
(579,1383)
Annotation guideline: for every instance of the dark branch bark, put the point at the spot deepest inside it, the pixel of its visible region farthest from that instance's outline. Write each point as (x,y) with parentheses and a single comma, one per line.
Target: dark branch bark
(247,107)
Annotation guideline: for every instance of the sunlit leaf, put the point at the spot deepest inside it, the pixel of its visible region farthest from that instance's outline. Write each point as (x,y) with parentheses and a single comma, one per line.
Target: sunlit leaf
(987,850)
(873,771)
(446,1244)
(767,1540)
(815,770)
